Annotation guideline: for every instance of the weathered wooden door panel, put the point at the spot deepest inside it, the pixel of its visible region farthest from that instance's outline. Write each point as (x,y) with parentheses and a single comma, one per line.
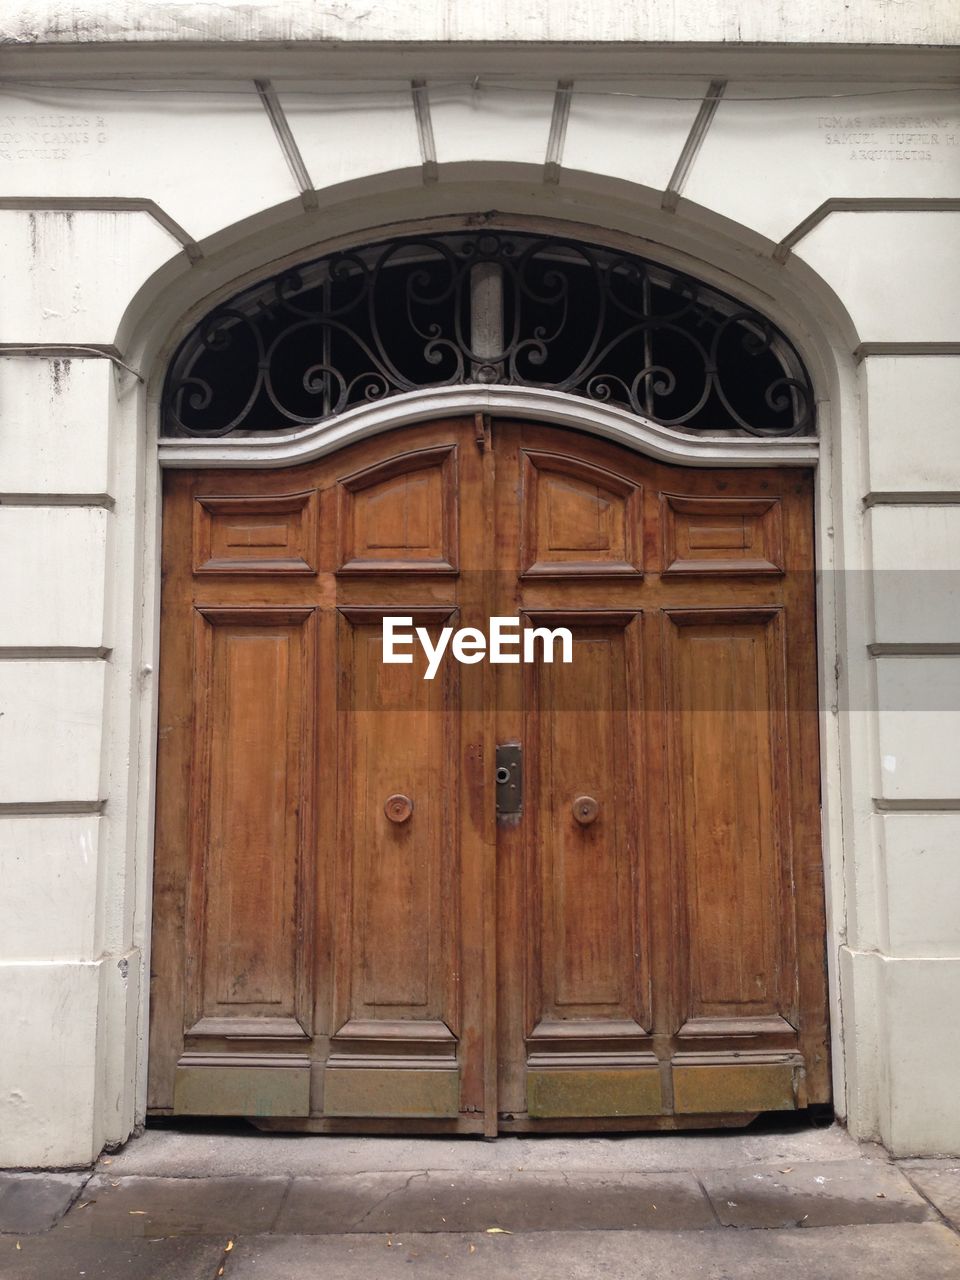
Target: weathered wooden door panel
(345,936)
(729,761)
(588,983)
(251,873)
(577,519)
(401,515)
(727,723)
(396,971)
(249,878)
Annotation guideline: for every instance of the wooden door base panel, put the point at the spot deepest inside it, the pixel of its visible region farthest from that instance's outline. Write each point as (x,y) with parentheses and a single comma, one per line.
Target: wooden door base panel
(262,1084)
(600,1092)
(730,1028)
(391,1091)
(768,1086)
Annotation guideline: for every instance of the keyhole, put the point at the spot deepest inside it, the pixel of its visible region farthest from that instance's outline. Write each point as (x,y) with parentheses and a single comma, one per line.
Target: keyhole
(503,775)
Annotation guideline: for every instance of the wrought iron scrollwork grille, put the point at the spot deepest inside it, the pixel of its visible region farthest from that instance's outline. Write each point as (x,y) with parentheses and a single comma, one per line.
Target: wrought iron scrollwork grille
(365,324)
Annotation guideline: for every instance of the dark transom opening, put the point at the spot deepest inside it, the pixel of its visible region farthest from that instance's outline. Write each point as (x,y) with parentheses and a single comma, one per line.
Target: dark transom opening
(496,308)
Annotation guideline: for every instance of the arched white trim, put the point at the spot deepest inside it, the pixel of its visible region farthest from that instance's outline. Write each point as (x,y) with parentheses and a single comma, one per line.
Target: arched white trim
(539,404)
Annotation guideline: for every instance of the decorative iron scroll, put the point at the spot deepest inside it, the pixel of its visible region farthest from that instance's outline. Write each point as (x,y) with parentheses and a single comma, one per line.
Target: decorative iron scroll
(365,324)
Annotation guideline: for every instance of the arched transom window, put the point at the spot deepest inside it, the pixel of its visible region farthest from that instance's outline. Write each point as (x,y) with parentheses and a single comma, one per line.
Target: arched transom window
(494,308)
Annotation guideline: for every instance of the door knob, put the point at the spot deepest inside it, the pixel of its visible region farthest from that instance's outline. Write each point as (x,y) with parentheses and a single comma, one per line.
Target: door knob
(398,808)
(585,810)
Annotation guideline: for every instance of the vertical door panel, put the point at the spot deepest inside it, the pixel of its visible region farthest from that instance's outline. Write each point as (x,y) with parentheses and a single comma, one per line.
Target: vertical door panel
(729,761)
(310,932)
(587,969)
(395,1047)
(253,735)
(582,781)
(400,739)
(729,784)
(250,964)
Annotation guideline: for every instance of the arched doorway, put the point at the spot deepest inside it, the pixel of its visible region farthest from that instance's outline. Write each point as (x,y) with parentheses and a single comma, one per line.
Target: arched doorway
(355,925)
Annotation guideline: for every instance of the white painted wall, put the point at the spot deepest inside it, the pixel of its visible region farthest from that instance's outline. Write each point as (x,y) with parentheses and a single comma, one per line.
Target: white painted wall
(815,146)
(53,442)
(78,473)
(909,22)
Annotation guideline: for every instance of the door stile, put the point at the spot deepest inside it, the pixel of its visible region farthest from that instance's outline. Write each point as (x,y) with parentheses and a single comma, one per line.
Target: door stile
(510,890)
(803,723)
(485,793)
(664,917)
(174,736)
(476,979)
(329,779)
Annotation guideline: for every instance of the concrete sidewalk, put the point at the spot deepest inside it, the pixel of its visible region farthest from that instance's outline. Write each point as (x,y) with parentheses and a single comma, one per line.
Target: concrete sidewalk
(181,1205)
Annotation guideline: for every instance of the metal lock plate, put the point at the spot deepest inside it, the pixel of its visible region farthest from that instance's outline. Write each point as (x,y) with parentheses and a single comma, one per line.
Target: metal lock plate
(509,779)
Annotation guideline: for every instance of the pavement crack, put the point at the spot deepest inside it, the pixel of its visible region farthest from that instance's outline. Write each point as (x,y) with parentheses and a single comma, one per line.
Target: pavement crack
(225,1259)
(280,1207)
(706,1195)
(384,1198)
(75,1197)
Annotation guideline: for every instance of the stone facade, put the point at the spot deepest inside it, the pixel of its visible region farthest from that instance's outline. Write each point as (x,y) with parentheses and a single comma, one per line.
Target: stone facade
(155,158)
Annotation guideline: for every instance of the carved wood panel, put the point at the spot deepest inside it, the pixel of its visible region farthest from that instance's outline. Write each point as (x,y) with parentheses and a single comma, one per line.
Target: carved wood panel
(400,516)
(577,519)
(256,534)
(585,885)
(400,886)
(252,769)
(728,758)
(727,535)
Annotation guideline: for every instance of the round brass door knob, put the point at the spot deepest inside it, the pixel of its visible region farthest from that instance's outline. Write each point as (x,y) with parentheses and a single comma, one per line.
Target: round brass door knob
(398,808)
(585,810)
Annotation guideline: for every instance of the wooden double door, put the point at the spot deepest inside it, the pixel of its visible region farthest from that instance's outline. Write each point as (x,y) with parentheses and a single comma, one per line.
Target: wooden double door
(349,933)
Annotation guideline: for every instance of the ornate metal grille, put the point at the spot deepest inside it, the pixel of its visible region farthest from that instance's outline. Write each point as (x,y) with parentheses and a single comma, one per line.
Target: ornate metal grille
(365,324)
